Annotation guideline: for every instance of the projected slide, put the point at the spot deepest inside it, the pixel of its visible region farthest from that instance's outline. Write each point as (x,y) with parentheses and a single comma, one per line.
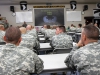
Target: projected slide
(49,16)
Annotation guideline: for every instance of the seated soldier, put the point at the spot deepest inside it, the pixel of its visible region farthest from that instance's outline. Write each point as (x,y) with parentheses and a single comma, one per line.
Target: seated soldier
(42,30)
(85,56)
(31,31)
(61,39)
(28,40)
(2,33)
(47,33)
(79,29)
(17,60)
(24,24)
(72,28)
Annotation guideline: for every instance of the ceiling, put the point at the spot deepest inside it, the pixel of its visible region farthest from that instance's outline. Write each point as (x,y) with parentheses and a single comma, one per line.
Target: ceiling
(3,2)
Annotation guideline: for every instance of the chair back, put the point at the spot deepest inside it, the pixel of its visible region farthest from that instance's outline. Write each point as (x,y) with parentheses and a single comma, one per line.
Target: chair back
(2,43)
(61,50)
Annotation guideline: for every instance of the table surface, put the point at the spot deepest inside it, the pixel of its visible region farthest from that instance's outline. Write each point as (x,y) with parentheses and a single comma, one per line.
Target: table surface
(78,33)
(70,32)
(54,61)
(40,35)
(45,45)
(41,38)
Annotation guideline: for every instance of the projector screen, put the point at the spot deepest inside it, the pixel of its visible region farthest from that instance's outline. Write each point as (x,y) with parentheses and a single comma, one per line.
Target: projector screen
(49,16)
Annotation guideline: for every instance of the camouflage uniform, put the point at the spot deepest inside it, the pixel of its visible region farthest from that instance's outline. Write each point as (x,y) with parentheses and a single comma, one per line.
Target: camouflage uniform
(61,40)
(43,30)
(85,59)
(33,33)
(49,33)
(79,30)
(6,25)
(18,60)
(29,42)
(72,29)
(2,33)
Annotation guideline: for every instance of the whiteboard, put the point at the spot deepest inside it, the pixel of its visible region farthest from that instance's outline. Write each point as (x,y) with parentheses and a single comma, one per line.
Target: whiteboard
(73,15)
(24,16)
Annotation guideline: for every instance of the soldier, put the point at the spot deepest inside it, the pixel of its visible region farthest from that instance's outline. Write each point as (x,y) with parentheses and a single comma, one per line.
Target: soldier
(31,31)
(47,32)
(17,60)
(2,33)
(43,29)
(85,56)
(28,40)
(6,24)
(79,29)
(24,25)
(61,39)
(72,28)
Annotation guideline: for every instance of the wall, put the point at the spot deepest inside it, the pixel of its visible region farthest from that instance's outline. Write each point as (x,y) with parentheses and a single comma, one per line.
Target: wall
(5,12)
(89,12)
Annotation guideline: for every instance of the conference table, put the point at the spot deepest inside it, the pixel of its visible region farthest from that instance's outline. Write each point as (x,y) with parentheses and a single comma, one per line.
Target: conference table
(44,47)
(47,45)
(54,63)
(41,36)
(41,39)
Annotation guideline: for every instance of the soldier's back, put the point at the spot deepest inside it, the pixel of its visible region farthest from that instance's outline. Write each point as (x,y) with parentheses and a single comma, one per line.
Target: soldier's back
(2,33)
(87,59)
(28,41)
(62,41)
(17,60)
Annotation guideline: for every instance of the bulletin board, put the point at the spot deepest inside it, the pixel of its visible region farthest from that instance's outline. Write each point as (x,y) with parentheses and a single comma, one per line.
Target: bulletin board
(73,15)
(24,16)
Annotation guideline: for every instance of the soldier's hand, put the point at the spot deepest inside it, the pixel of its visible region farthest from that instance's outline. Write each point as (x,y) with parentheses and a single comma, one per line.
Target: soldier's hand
(80,44)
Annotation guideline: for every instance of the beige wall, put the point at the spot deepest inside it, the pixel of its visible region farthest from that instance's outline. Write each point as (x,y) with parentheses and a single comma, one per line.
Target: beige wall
(5,12)
(89,12)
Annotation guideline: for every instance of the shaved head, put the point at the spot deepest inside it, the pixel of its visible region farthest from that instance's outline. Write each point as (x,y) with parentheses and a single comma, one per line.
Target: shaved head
(12,35)
(29,27)
(23,30)
(91,32)
(1,27)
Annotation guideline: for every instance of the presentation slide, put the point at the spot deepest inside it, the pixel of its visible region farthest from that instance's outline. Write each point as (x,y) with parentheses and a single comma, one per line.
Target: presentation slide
(49,16)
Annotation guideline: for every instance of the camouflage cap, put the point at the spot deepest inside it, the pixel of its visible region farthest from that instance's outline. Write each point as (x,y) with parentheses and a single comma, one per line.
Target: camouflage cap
(1,22)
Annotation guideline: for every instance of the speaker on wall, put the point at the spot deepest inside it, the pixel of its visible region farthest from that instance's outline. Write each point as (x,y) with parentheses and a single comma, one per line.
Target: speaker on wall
(98,5)
(12,8)
(85,7)
(23,5)
(73,4)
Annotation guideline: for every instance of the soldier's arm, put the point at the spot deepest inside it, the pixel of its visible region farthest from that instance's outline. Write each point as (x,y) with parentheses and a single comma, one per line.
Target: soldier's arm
(37,46)
(70,42)
(38,64)
(51,42)
(69,61)
(32,63)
